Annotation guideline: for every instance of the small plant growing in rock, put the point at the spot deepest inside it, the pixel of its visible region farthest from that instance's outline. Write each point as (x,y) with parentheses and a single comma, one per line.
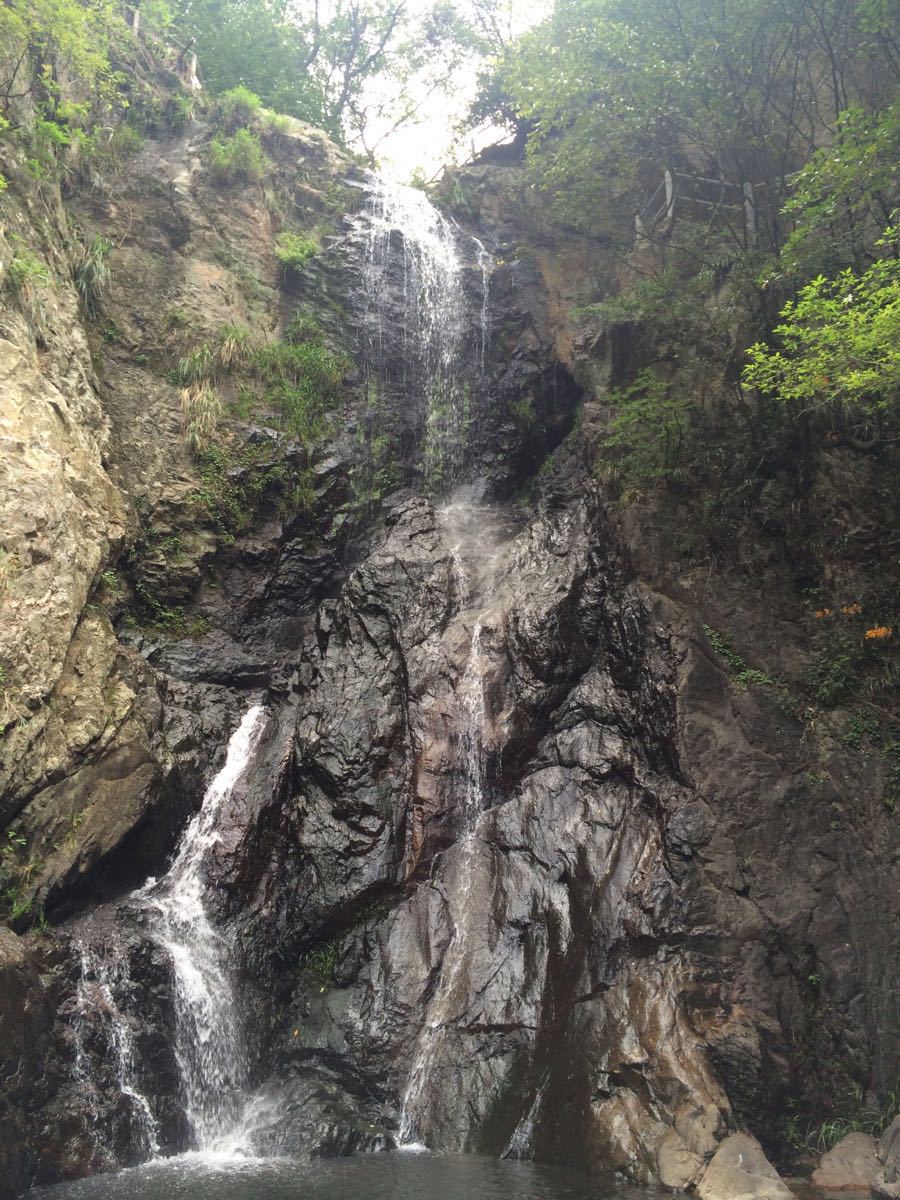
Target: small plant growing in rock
(237,107)
(92,274)
(273,122)
(321,964)
(294,250)
(237,158)
(25,270)
(234,347)
(176,318)
(178,111)
(201,410)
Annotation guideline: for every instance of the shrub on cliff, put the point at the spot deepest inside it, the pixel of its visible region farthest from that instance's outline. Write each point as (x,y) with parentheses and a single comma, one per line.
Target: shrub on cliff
(237,107)
(838,348)
(238,158)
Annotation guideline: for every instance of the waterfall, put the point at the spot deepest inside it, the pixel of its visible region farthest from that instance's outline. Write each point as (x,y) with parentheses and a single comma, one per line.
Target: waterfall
(210,1046)
(416,319)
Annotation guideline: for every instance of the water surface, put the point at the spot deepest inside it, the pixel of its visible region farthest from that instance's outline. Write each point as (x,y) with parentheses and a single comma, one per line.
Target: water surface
(369,1177)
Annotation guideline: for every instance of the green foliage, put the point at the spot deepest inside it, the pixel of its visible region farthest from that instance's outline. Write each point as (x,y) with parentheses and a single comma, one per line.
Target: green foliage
(651,433)
(92,274)
(334,66)
(605,86)
(201,410)
(233,484)
(237,107)
(294,250)
(839,347)
(174,622)
(321,963)
(743,676)
(844,196)
(177,111)
(14,875)
(299,495)
(24,271)
(302,379)
(234,347)
(859,1117)
(111,584)
(238,158)
(855,656)
(198,373)
(41,42)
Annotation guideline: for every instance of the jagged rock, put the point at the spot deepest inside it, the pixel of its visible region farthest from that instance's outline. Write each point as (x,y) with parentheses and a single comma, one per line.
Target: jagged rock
(886,1185)
(27,1076)
(318,1112)
(739,1170)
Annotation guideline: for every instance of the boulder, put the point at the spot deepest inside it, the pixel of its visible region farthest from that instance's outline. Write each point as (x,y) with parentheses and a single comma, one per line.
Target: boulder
(886,1185)
(851,1165)
(889,1145)
(739,1170)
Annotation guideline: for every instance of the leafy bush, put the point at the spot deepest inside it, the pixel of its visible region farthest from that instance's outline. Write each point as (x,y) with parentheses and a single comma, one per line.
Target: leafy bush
(236,158)
(840,200)
(237,107)
(294,250)
(839,346)
(177,112)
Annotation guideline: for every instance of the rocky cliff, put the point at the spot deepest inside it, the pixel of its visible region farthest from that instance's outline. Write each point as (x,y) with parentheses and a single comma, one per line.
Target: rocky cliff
(544,852)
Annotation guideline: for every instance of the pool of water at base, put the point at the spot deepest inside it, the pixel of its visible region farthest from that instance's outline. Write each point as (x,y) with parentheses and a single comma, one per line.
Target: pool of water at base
(395,1176)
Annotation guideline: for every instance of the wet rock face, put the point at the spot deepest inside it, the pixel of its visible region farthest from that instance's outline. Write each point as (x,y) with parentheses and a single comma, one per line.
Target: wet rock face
(27,1074)
(524,994)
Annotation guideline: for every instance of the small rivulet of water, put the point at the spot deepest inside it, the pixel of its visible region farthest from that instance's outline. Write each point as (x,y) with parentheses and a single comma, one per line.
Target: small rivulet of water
(419,331)
(476,540)
(103,978)
(210,1045)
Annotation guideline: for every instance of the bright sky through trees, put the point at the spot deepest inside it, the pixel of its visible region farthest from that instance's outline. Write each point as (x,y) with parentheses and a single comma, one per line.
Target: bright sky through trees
(431,138)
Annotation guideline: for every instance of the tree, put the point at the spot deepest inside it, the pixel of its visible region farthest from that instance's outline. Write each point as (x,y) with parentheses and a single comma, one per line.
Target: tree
(40,38)
(337,65)
(739,90)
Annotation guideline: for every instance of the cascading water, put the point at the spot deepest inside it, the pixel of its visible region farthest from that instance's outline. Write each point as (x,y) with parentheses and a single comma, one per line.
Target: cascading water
(419,338)
(413,289)
(210,1045)
(104,975)
(413,276)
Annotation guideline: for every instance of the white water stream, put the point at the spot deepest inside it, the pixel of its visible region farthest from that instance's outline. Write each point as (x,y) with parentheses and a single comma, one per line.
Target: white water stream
(210,1046)
(411,243)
